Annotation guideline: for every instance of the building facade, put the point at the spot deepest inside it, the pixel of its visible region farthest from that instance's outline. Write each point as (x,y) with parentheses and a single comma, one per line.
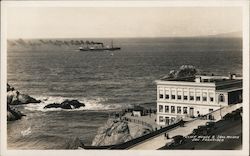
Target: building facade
(195,96)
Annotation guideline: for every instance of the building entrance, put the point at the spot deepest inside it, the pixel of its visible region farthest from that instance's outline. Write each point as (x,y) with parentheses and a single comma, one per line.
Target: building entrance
(191,111)
(166,120)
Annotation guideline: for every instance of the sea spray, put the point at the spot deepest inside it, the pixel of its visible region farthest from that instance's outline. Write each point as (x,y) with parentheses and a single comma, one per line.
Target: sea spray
(26,132)
(90,104)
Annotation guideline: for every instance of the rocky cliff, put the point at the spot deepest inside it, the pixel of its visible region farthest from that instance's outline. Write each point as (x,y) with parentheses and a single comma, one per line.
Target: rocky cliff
(117,131)
(183,71)
(13,114)
(16,98)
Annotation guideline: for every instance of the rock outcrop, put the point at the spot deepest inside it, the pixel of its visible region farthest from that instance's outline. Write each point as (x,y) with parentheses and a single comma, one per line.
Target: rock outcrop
(183,71)
(16,98)
(138,130)
(67,104)
(115,131)
(74,143)
(13,114)
(9,88)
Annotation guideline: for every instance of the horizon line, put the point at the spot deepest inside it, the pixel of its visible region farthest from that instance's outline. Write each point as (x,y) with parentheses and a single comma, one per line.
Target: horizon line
(217,35)
(208,36)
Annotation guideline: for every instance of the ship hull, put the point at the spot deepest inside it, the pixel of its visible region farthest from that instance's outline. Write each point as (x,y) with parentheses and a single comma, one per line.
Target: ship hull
(102,49)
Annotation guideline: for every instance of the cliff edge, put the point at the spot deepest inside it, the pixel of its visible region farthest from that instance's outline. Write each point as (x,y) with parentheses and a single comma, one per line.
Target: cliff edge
(117,131)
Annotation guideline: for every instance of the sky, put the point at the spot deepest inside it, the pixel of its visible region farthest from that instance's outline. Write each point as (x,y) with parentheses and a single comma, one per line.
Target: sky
(85,22)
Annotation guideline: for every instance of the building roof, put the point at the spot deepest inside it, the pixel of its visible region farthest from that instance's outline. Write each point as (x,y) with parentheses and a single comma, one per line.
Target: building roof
(186,79)
(138,108)
(203,79)
(230,89)
(220,83)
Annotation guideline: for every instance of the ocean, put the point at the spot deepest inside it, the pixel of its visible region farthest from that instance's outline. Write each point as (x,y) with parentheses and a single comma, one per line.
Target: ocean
(105,81)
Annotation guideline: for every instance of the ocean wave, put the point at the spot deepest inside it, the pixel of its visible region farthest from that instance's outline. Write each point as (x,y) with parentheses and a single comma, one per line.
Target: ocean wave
(44,141)
(26,132)
(94,104)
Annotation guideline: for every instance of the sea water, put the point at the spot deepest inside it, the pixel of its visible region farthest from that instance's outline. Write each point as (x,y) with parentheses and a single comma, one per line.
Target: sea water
(105,81)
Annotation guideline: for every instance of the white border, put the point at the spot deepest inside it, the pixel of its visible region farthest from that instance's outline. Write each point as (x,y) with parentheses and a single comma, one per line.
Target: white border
(245,6)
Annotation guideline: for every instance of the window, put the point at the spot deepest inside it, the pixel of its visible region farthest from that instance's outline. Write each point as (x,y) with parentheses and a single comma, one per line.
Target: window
(179,97)
(204,98)
(178,110)
(191,97)
(221,98)
(172,96)
(172,109)
(211,99)
(161,118)
(166,109)
(160,108)
(185,94)
(191,111)
(166,96)
(198,96)
(161,94)
(167,120)
(185,97)
(184,110)
(205,80)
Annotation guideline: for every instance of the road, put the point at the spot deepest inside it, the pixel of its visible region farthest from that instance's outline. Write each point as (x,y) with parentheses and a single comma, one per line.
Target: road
(224,128)
(160,140)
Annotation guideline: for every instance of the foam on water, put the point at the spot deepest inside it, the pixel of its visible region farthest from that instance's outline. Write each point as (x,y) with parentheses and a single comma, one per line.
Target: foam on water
(90,104)
(100,81)
(26,132)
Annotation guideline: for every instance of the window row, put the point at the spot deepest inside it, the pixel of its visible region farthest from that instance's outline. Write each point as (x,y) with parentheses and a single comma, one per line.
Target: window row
(173,109)
(185,97)
(167,120)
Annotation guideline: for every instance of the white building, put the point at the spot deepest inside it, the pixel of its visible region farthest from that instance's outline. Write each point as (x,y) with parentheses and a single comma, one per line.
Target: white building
(194,96)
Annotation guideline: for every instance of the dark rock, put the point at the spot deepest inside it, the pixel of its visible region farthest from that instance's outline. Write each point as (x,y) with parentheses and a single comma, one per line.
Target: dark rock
(13,114)
(53,105)
(12,97)
(74,103)
(186,71)
(67,104)
(183,71)
(16,98)
(25,99)
(117,131)
(9,88)
(74,143)
(113,132)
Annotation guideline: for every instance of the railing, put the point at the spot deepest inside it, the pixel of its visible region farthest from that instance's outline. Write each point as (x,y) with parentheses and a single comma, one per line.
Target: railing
(97,147)
(138,122)
(135,141)
(138,140)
